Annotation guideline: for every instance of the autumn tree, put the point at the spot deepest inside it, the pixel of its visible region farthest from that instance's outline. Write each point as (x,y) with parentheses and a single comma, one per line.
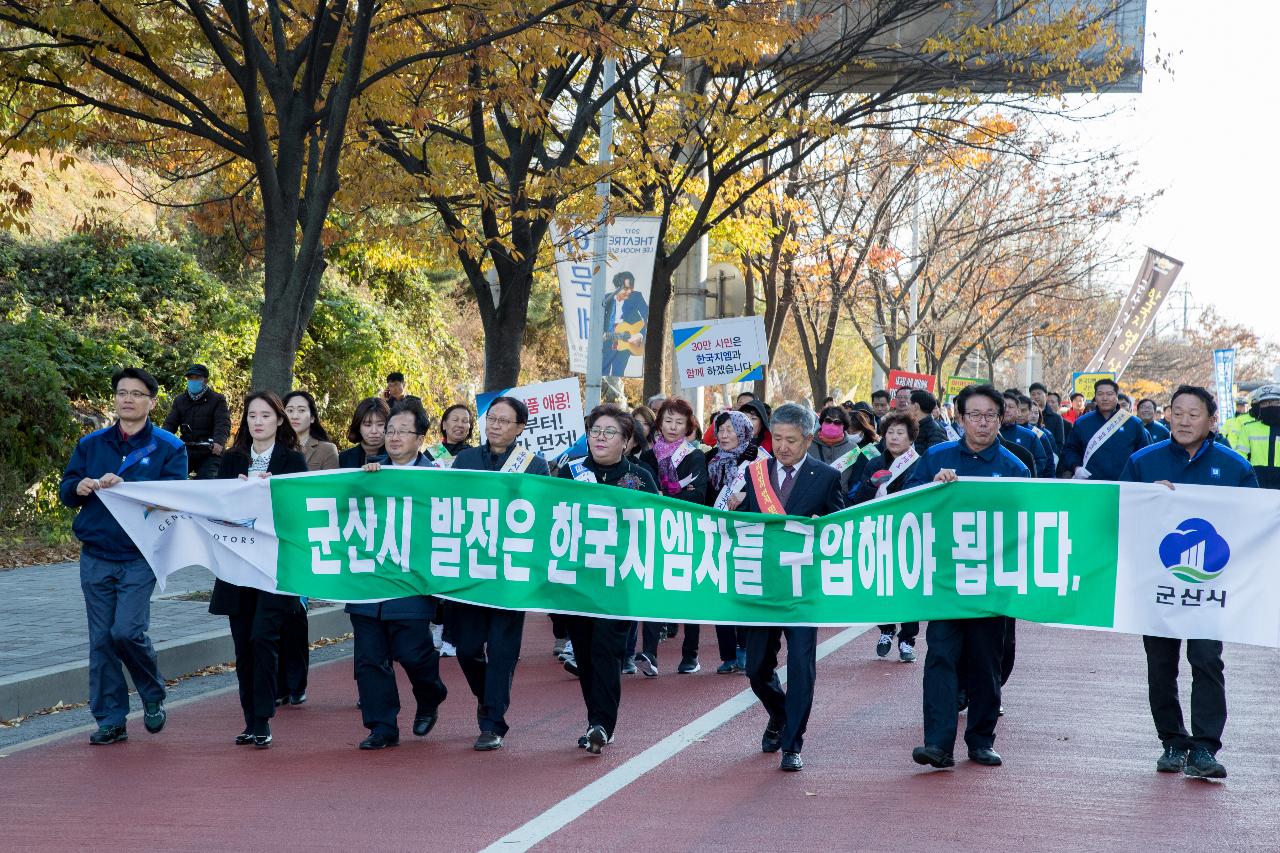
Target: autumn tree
(257,94)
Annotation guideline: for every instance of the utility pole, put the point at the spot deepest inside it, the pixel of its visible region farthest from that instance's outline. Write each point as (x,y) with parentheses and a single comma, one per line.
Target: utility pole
(600,248)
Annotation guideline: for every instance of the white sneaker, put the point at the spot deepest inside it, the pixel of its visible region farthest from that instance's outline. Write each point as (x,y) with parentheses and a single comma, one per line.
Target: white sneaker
(567,651)
(447,650)
(437,635)
(558,650)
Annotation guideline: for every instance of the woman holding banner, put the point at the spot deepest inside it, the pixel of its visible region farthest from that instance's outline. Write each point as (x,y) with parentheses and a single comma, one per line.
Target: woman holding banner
(265,444)
(887,477)
(598,642)
(682,474)
(727,476)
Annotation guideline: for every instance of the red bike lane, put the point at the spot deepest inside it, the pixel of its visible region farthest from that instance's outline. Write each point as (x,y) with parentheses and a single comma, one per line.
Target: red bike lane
(1077,740)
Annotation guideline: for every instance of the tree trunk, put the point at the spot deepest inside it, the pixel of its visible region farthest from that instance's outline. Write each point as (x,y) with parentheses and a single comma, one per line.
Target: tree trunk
(656,331)
(504,328)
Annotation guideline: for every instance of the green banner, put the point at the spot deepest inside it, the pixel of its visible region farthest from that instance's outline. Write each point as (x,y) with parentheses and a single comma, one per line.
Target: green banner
(1040,551)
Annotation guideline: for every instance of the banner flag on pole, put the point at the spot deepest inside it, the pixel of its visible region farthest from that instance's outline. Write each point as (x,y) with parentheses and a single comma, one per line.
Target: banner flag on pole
(1136,558)
(1137,312)
(1224,380)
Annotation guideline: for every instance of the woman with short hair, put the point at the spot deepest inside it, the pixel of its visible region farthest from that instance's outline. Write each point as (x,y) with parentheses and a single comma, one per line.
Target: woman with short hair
(367,433)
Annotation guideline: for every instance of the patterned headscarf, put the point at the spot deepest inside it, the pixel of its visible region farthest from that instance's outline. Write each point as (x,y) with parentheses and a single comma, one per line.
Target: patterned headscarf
(724,463)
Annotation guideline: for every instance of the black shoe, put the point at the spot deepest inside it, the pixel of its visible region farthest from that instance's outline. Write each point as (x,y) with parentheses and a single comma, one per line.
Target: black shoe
(379,741)
(245,737)
(583,742)
(297,699)
(596,739)
(424,722)
(647,665)
(771,741)
(571,666)
(884,644)
(262,733)
(108,734)
(688,665)
(488,741)
(262,741)
(629,665)
(792,761)
(153,716)
(933,756)
(1202,765)
(986,756)
(280,700)
(1173,760)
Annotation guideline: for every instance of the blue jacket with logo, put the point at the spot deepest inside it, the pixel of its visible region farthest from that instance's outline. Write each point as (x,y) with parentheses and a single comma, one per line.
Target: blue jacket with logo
(995,461)
(1156,431)
(1213,465)
(149,454)
(1108,460)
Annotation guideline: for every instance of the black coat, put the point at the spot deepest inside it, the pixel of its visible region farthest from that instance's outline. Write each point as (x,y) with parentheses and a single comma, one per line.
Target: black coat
(228,599)
(931,433)
(865,490)
(1024,455)
(1057,428)
(354,457)
(816,490)
(197,420)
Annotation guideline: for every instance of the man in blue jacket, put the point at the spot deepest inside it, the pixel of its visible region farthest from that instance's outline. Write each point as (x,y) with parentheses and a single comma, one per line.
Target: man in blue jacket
(1011,431)
(115,578)
(979,642)
(1189,456)
(1102,440)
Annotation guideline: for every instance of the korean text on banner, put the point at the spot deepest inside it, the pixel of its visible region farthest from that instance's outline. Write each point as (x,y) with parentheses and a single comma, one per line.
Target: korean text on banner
(1082,383)
(716,352)
(1130,557)
(914,381)
(1224,380)
(555,415)
(956,384)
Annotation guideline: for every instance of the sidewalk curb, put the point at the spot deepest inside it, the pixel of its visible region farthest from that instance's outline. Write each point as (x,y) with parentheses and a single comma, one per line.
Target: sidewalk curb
(34,690)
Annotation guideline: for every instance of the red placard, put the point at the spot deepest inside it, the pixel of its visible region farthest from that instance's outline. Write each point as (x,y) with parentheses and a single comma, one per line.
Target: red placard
(903,379)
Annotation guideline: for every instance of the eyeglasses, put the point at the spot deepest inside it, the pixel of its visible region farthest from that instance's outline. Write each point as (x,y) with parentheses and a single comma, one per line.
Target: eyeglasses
(401,433)
(498,422)
(979,417)
(122,394)
(604,432)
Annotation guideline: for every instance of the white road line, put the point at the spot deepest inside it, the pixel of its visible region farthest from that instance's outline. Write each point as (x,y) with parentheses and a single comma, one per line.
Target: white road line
(580,802)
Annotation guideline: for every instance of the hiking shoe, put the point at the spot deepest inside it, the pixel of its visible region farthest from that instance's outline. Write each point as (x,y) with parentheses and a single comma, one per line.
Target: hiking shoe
(883,646)
(647,665)
(1172,761)
(153,716)
(688,666)
(1202,765)
(596,739)
(629,665)
(906,652)
(108,734)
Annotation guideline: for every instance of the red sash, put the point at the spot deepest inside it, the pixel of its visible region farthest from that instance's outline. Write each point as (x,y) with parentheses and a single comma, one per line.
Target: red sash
(766,495)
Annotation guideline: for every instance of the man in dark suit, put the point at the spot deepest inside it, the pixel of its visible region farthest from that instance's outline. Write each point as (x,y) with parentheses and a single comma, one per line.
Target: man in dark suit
(798,485)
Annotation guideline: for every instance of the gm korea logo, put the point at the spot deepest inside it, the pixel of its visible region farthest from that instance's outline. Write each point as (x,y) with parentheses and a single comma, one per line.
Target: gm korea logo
(1195,552)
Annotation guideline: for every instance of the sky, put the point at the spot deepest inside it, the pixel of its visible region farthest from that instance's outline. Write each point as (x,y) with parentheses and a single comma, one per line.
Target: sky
(1203,132)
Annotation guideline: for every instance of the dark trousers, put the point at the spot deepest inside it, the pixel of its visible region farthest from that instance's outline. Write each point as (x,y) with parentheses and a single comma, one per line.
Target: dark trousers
(908,634)
(730,638)
(975,646)
(1010,649)
(559,626)
(117,600)
(649,630)
(789,710)
(598,646)
(1208,692)
(379,642)
(488,644)
(295,655)
(255,634)
(205,466)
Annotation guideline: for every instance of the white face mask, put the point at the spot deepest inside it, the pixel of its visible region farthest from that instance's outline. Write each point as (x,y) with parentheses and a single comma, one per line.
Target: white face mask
(856,437)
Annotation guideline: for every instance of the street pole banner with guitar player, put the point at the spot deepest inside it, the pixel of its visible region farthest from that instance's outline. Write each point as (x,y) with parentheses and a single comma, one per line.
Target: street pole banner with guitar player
(633,245)
(716,352)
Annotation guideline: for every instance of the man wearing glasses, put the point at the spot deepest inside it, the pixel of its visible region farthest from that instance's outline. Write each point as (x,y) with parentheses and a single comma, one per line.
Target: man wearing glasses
(114,576)
(978,642)
(488,639)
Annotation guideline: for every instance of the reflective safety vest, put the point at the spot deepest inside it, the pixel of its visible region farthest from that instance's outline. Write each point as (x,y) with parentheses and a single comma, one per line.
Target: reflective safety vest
(1260,444)
(1231,430)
